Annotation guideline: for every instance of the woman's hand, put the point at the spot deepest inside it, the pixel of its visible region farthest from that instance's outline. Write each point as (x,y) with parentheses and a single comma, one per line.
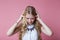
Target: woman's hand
(20,18)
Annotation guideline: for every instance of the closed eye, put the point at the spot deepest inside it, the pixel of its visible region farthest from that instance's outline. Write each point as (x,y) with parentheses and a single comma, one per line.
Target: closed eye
(27,18)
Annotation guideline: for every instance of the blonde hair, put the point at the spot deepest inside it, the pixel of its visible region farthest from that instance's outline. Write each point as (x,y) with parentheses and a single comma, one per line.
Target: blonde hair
(23,28)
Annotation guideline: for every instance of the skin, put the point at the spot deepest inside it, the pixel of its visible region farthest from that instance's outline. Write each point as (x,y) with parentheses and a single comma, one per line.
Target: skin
(30,18)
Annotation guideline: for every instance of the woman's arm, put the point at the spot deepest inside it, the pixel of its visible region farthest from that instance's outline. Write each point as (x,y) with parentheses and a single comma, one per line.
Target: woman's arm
(45,29)
(11,30)
(15,27)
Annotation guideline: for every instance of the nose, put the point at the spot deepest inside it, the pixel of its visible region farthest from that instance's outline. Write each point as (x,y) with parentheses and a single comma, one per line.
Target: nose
(29,20)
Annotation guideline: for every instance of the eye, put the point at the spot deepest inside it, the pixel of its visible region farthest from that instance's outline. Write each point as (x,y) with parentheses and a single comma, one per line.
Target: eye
(27,18)
(32,18)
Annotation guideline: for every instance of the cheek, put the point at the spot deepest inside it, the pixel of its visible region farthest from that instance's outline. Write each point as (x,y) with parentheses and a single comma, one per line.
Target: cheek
(33,20)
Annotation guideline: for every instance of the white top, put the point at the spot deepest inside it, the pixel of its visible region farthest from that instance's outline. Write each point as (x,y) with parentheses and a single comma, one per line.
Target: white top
(30,35)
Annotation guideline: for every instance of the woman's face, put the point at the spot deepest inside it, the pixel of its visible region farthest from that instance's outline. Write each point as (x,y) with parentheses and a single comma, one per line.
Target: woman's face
(30,18)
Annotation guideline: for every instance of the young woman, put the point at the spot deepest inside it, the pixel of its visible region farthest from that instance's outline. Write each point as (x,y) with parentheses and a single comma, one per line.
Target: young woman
(29,26)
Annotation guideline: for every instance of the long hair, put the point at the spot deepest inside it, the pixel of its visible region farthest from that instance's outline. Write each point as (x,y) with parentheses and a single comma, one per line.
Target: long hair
(23,27)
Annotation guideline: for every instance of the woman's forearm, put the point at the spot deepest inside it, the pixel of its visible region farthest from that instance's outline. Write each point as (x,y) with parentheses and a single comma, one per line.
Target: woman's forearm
(45,29)
(11,30)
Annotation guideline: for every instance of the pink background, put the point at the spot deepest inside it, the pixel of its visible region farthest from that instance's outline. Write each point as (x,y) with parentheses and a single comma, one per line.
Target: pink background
(10,11)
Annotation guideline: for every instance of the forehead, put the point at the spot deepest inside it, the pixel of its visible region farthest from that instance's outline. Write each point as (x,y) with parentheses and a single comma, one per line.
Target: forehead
(29,16)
